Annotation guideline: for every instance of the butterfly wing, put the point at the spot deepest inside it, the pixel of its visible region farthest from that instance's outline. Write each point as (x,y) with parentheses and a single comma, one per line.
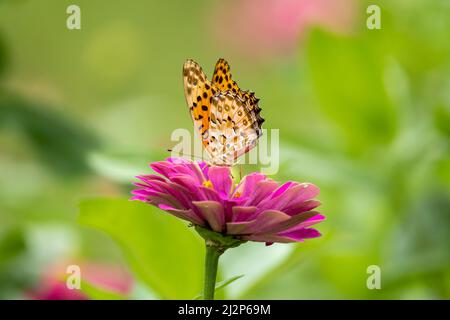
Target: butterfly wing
(226,117)
(198,92)
(223,80)
(222,77)
(234,129)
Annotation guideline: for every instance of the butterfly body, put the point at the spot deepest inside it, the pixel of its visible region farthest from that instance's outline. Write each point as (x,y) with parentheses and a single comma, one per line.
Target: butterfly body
(226,117)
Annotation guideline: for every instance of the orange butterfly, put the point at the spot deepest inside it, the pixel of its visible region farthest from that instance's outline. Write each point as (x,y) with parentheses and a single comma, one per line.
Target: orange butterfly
(226,117)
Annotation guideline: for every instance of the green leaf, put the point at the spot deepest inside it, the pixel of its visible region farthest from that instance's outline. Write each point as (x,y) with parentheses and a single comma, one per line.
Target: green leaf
(347,76)
(12,243)
(120,165)
(58,142)
(161,250)
(220,285)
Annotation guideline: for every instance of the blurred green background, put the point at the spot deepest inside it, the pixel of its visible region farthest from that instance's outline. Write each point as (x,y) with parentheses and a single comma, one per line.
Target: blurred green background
(364,114)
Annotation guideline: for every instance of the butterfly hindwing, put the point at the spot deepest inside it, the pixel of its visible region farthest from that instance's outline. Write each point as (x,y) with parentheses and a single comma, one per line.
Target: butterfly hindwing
(233,130)
(223,80)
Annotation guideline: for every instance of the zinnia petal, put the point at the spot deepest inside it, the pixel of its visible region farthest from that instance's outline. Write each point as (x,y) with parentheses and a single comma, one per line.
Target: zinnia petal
(262,190)
(296,236)
(292,194)
(242,213)
(248,185)
(269,221)
(307,223)
(259,224)
(213,213)
(301,207)
(301,234)
(187,215)
(221,180)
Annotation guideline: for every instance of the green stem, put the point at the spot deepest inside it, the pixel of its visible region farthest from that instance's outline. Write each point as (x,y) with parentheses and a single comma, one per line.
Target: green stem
(213,252)
(216,244)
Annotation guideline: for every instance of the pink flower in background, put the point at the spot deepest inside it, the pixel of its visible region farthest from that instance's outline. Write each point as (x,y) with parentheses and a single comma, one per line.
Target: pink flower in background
(52,285)
(261,27)
(257,209)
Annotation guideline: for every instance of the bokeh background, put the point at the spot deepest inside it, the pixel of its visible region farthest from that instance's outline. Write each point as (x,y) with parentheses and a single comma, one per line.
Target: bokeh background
(364,114)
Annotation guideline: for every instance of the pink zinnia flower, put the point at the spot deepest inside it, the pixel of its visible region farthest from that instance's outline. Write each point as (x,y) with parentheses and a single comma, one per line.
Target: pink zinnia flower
(256,209)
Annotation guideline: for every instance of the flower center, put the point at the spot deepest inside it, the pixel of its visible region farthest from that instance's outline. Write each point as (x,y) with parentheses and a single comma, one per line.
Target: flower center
(208,184)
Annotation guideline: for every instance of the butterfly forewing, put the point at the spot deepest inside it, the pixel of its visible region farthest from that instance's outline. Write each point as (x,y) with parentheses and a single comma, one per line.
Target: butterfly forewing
(198,92)
(222,77)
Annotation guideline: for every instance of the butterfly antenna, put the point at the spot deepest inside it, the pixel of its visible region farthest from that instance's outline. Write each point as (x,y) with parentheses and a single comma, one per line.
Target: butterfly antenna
(186,154)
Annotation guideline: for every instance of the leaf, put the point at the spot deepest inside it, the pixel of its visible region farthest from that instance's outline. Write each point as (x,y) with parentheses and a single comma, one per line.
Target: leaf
(220,285)
(347,76)
(161,250)
(60,143)
(119,166)
(12,244)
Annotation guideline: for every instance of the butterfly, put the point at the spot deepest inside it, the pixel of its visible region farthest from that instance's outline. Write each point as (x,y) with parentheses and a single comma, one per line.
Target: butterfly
(226,117)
